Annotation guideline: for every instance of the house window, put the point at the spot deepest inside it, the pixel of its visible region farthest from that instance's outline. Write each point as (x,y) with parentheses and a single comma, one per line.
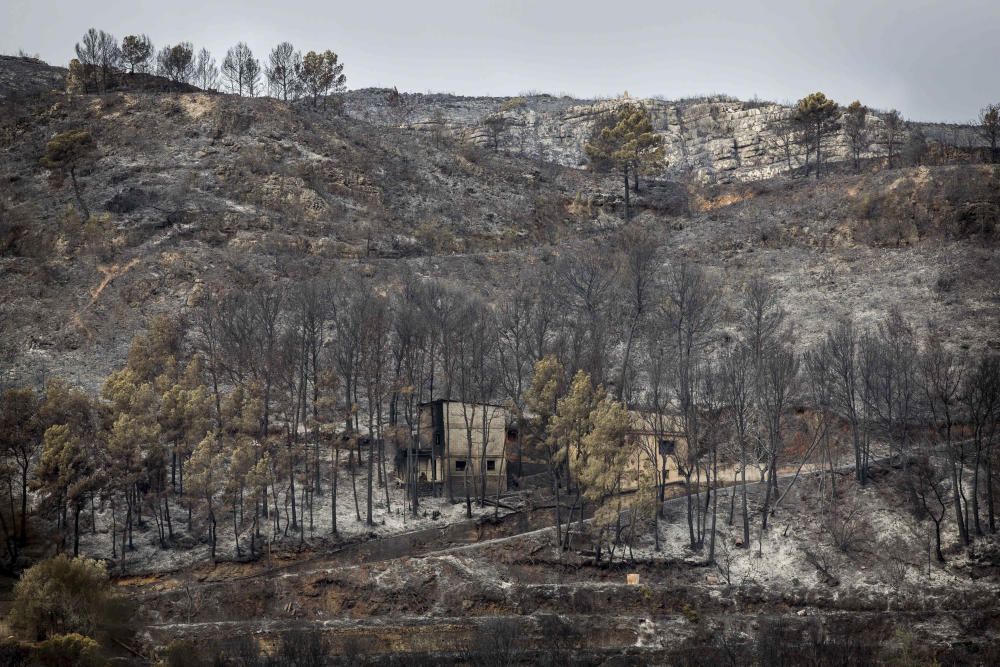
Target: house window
(491,464)
(667,447)
(460,466)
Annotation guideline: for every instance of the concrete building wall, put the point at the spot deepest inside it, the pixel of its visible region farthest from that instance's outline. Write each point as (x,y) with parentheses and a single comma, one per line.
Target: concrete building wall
(484,427)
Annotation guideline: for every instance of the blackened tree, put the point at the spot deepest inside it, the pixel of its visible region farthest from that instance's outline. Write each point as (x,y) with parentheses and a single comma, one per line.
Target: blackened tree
(989,127)
(176,62)
(280,71)
(856,128)
(66,153)
(100,55)
(892,135)
(820,115)
(241,70)
(137,51)
(206,72)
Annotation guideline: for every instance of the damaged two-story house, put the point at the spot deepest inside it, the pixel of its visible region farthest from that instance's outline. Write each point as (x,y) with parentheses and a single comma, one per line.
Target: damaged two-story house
(457,444)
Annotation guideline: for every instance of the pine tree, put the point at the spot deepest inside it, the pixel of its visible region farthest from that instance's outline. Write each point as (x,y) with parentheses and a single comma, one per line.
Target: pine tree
(133,443)
(600,468)
(19,439)
(67,153)
(69,469)
(569,427)
(206,71)
(241,465)
(241,70)
(204,474)
(66,474)
(626,141)
(136,52)
(155,355)
(856,128)
(98,52)
(989,128)
(320,74)
(819,114)
(891,135)
(280,71)
(256,488)
(176,62)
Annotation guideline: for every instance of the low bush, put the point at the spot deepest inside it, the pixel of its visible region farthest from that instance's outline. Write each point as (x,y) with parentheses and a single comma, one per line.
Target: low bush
(72,650)
(62,595)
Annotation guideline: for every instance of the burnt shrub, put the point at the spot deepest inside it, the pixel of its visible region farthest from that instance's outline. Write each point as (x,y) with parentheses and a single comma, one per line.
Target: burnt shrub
(228,120)
(669,197)
(783,641)
(496,643)
(70,650)
(302,648)
(13,652)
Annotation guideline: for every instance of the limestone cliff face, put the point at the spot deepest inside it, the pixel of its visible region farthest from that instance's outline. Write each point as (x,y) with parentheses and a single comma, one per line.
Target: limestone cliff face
(716,140)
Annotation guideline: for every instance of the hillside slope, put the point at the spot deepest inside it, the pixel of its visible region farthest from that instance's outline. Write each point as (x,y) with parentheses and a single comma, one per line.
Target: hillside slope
(872,596)
(21,77)
(198,189)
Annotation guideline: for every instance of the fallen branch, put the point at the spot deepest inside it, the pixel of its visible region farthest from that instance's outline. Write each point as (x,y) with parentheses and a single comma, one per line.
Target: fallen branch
(819,436)
(490,501)
(128,648)
(829,578)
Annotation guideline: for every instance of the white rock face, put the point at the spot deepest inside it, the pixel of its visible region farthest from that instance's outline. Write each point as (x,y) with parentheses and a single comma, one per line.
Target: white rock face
(716,139)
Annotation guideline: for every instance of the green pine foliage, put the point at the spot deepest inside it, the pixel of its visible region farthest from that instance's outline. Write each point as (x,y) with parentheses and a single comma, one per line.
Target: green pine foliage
(625,141)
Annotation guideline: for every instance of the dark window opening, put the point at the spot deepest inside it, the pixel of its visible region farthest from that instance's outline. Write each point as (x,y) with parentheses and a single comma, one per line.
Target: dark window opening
(491,464)
(667,447)
(460,466)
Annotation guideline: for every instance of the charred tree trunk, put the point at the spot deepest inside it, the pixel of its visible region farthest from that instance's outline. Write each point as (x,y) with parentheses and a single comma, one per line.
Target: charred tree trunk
(333,489)
(77,507)
(84,211)
(628,211)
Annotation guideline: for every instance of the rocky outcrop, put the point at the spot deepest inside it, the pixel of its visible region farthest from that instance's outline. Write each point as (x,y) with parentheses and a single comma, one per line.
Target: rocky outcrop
(21,76)
(715,140)
(83,79)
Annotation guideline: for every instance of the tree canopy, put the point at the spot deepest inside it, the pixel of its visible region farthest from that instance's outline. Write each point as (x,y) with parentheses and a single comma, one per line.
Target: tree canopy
(989,127)
(626,141)
(63,595)
(176,62)
(321,74)
(819,115)
(65,153)
(136,51)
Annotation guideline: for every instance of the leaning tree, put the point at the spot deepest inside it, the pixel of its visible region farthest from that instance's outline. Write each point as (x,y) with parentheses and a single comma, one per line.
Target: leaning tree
(66,153)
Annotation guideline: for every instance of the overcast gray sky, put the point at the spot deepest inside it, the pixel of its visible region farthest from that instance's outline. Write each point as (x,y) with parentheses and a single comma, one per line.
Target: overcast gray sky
(931,59)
